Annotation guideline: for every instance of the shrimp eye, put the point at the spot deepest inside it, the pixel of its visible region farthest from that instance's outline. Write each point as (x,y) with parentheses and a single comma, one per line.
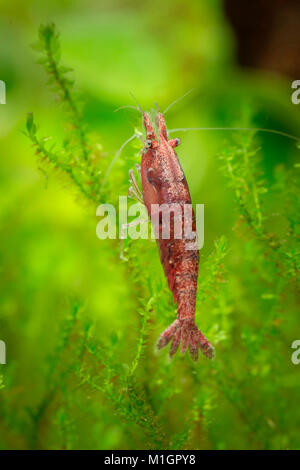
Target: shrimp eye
(177,141)
(148,144)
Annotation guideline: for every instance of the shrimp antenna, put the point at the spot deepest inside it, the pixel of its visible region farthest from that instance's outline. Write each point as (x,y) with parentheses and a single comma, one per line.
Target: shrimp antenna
(138,104)
(115,159)
(125,107)
(138,108)
(178,99)
(254,129)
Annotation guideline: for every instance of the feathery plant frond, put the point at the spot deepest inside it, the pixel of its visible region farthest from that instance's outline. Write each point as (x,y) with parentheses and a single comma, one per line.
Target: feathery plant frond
(1,382)
(58,370)
(49,48)
(241,166)
(77,157)
(145,314)
(55,160)
(214,269)
(127,401)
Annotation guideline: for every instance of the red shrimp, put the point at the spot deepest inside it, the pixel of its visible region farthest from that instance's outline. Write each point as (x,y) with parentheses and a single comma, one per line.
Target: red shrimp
(164,182)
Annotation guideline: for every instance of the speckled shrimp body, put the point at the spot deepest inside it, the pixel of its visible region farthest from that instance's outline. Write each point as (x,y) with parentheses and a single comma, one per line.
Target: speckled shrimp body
(163,182)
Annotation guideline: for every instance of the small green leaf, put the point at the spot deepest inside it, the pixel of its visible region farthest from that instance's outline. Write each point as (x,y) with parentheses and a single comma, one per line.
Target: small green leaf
(30,125)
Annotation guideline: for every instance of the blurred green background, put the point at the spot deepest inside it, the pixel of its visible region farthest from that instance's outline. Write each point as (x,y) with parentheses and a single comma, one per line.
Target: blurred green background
(62,288)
